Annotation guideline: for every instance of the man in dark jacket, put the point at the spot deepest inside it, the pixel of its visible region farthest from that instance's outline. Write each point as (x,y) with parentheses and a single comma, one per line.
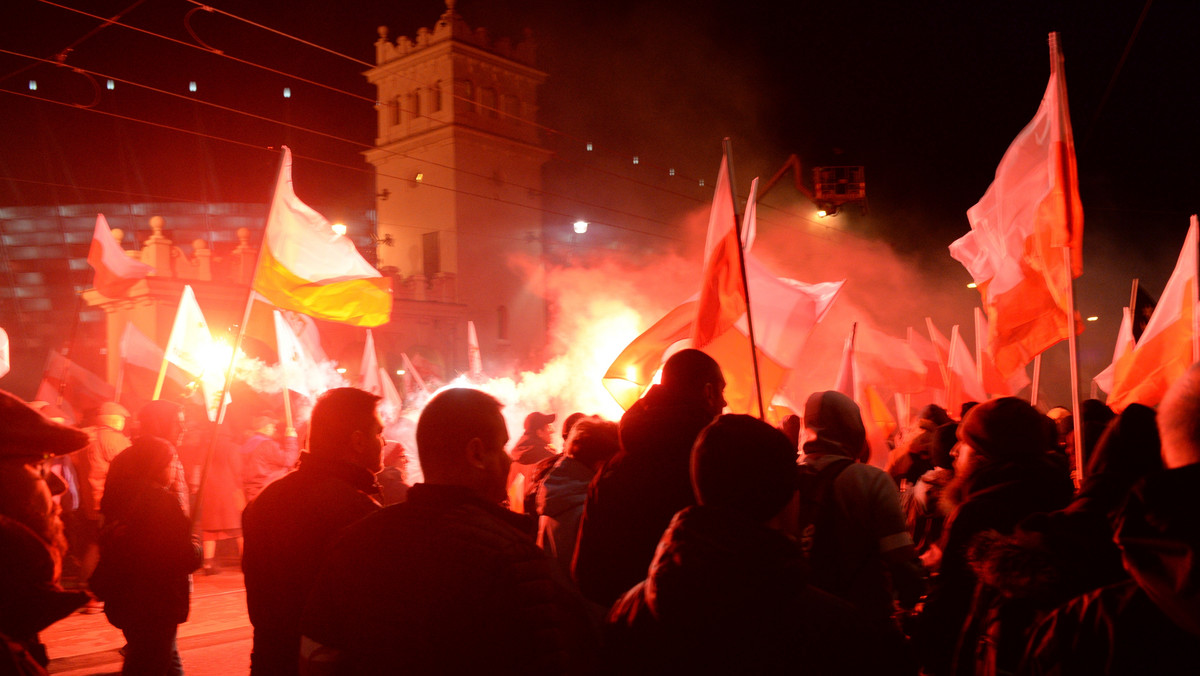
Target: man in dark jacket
(1150,624)
(727,592)
(447,582)
(531,452)
(288,529)
(632,500)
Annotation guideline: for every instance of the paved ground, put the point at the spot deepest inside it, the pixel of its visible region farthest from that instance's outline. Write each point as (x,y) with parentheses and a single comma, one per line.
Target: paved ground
(214,641)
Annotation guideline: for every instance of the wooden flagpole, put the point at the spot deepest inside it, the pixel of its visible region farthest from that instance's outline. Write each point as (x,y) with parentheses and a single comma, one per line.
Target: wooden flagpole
(1037,379)
(979,346)
(1195,303)
(737,224)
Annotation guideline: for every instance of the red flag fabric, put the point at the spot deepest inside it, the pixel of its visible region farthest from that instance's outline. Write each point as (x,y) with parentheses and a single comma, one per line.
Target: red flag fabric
(995,383)
(1018,229)
(116,272)
(1167,346)
(722,294)
(889,361)
(79,388)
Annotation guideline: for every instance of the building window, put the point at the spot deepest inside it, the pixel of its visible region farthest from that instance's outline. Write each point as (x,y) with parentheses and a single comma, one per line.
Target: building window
(414,104)
(435,97)
(431,254)
(502,322)
(511,107)
(394,110)
(464,92)
(487,100)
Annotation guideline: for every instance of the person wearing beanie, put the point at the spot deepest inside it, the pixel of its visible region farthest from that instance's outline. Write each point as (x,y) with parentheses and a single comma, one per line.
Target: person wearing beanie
(639,490)
(727,590)
(1006,468)
(532,448)
(147,553)
(911,459)
(31,531)
(852,527)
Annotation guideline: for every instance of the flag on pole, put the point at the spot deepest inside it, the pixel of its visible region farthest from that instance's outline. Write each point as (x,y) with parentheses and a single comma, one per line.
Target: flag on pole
(935,368)
(888,360)
(306,267)
(116,272)
(71,387)
(878,422)
(722,292)
(474,356)
(846,372)
(415,376)
(295,364)
(1125,343)
(1166,347)
(369,367)
(965,384)
(190,346)
(1028,214)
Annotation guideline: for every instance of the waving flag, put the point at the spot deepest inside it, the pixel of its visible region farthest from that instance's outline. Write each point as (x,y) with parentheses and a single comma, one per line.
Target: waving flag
(293,360)
(116,272)
(306,267)
(1019,228)
(722,294)
(1167,346)
(965,384)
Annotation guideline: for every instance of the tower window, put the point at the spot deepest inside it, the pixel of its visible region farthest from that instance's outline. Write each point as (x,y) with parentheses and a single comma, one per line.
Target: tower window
(435,97)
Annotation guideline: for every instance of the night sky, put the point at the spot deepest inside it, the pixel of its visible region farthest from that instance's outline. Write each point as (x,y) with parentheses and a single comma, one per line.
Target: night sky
(925,95)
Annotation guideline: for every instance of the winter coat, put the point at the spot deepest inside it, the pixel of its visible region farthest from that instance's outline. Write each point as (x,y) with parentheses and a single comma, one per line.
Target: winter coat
(287,532)
(264,460)
(1147,625)
(222,501)
(443,583)
(634,497)
(146,556)
(995,497)
(528,454)
(728,595)
(560,503)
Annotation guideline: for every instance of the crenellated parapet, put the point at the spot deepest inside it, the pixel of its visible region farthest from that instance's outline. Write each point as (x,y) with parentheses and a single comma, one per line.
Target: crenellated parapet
(451,26)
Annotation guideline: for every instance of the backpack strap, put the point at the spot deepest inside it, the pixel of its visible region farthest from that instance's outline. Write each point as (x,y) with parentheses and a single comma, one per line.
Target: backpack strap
(815,485)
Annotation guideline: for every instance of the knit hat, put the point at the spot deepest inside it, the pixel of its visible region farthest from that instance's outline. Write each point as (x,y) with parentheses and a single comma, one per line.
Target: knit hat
(1006,427)
(743,464)
(932,417)
(837,424)
(536,420)
(25,434)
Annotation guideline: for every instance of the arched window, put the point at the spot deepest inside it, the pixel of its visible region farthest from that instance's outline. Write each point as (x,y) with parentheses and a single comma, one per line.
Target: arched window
(435,97)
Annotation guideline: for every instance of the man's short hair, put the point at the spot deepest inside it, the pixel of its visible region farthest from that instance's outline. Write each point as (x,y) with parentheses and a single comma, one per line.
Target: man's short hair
(690,369)
(593,440)
(337,414)
(1179,420)
(448,423)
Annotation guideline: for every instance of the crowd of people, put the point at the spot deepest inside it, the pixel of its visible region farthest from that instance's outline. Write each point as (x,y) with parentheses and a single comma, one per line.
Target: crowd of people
(678,539)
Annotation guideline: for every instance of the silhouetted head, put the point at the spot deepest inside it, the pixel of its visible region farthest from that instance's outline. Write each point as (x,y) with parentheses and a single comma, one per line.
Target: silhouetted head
(744,465)
(833,424)
(1179,420)
(569,422)
(461,436)
(344,426)
(694,372)
(593,441)
(162,419)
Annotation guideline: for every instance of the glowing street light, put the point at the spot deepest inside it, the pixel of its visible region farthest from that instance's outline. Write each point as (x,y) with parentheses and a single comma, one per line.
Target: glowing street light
(972,285)
(1093,318)
(339,229)
(580,227)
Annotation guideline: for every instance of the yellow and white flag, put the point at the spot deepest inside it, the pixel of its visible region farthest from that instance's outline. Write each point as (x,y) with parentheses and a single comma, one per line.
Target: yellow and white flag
(306,267)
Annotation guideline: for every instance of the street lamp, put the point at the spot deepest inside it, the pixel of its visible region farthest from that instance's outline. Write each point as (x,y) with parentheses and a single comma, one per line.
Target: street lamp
(580,227)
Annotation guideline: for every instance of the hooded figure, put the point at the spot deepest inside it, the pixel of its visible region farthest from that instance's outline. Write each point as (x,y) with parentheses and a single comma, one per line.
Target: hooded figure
(532,457)
(31,531)
(146,555)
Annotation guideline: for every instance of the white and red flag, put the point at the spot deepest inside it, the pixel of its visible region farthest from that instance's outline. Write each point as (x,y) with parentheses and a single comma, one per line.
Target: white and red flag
(116,272)
(1019,228)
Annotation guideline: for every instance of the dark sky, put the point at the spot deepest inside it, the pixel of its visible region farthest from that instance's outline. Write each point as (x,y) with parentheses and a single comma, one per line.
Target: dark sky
(925,95)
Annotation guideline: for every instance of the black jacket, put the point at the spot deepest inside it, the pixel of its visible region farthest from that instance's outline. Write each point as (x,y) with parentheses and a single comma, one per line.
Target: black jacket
(632,499)
(287,531)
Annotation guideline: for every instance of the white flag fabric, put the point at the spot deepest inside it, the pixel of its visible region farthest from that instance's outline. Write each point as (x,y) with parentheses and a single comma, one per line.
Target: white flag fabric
(296,365)
(1125,343)
(964,378)
(474,357)
(190,346)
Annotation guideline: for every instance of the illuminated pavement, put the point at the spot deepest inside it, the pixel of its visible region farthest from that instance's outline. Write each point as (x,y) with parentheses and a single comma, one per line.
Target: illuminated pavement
(215,639)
